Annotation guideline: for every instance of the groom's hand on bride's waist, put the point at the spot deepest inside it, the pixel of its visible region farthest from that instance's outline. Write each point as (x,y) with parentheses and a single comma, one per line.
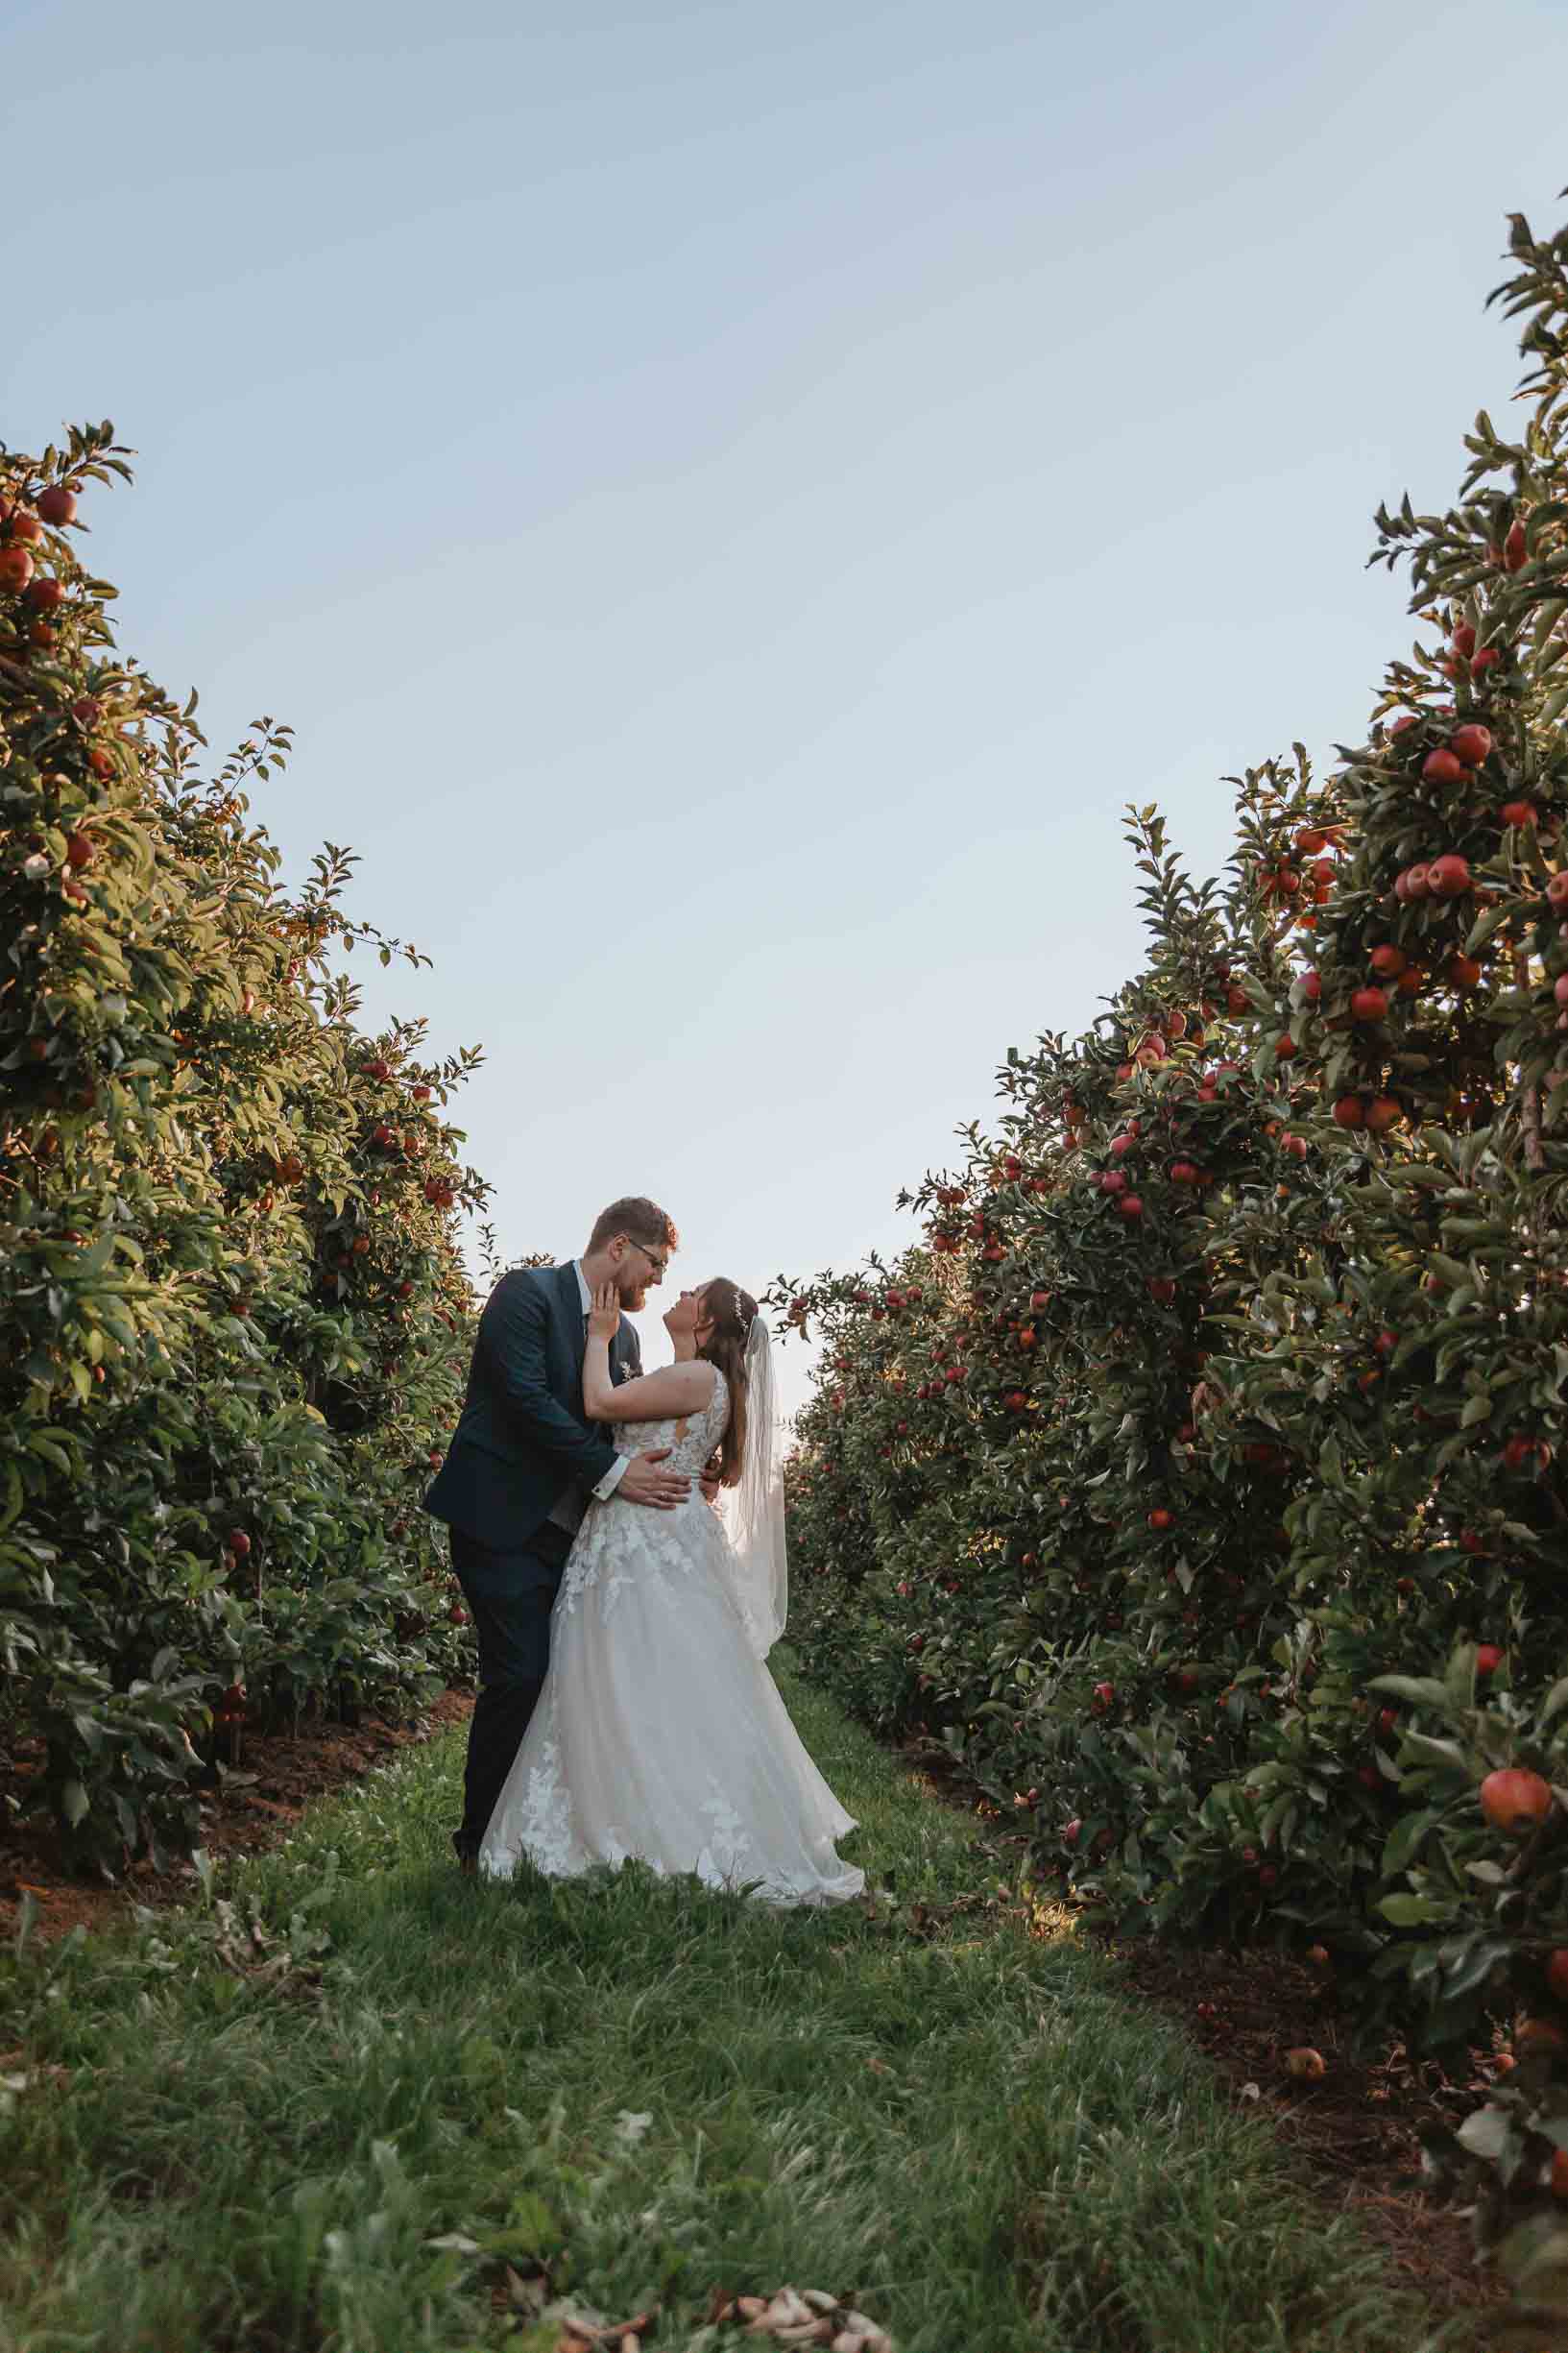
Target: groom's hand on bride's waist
(642,1481)
(709,1481)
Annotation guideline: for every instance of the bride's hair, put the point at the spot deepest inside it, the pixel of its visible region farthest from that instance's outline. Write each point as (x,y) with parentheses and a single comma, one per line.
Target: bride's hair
(730,1310)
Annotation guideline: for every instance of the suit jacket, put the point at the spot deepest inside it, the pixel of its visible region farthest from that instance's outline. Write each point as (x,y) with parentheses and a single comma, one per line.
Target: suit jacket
(523,1438)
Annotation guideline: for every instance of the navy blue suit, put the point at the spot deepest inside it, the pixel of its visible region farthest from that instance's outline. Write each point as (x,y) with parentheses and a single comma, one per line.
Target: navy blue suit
(522,1442)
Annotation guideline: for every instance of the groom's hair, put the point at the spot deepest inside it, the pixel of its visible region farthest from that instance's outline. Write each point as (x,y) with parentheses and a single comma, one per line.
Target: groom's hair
(639,1220)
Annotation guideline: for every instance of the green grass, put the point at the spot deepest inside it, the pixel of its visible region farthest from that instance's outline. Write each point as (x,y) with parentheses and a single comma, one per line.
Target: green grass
(650,2087)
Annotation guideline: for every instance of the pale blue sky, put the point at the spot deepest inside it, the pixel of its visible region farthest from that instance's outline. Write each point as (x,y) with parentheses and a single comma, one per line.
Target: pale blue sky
(735,499)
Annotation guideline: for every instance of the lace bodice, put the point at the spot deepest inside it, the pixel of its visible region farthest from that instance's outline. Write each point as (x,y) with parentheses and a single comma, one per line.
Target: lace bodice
(692,1438)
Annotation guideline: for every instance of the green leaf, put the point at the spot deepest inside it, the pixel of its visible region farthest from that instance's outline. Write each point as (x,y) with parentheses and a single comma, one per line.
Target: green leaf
(1423,1690)
(1402,1911)
(1405,1836)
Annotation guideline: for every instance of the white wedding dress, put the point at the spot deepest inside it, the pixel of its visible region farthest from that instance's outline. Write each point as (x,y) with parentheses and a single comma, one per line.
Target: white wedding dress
(659,1734)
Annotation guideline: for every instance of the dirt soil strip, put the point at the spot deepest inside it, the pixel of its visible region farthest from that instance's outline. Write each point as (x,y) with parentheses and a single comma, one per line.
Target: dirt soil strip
(254,1808)
(1357,2127)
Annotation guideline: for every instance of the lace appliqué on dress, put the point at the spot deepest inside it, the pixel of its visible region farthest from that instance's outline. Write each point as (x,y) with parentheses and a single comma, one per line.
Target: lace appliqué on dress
(691,1440)
(544,1814)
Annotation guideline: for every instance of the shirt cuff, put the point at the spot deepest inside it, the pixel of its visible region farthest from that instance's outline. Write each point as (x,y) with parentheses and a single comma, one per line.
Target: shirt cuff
(611,1478)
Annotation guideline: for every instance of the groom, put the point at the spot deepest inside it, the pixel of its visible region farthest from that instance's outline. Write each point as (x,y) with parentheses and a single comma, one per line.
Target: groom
(523,1465)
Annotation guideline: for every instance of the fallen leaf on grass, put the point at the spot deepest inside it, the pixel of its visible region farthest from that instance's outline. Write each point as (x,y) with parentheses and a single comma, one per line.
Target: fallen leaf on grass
(527,2295)
(807,2316)
(583,2332)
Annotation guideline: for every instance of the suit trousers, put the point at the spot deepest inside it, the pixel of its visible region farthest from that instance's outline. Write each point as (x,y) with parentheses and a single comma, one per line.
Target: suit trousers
(510,1596)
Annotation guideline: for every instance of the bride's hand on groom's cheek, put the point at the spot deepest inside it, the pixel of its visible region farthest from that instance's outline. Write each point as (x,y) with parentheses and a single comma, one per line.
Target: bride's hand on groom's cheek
(604,1315)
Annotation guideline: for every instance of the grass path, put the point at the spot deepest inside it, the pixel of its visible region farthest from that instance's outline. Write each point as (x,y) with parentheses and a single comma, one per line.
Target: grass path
(259,2135)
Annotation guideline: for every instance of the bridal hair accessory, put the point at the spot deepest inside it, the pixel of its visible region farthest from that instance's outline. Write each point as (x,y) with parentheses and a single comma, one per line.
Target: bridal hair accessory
(757,1530)
(745,1311)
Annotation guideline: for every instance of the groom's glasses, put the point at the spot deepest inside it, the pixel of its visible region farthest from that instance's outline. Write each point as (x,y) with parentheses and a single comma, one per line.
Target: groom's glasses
(659,1265)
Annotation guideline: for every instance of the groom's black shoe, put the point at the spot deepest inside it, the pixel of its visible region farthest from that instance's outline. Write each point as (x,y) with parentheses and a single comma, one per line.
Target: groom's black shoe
(468,1862)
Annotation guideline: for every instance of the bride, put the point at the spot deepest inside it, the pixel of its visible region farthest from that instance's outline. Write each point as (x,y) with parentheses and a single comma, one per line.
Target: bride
(659,1734)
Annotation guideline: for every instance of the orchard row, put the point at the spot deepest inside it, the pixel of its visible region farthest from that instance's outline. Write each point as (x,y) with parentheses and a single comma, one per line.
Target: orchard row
(233,1315)
(1199,1477)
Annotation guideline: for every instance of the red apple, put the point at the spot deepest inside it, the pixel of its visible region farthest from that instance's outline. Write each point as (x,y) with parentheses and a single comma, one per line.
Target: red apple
(1131,1206)
(1447,877)
(1442,768)
(56,505)
(1350,1111)
(1514,551)
(1513,1800)
(16,570)
(1388,961)
(1369,1004)
(1489,1658)
(1471,744)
